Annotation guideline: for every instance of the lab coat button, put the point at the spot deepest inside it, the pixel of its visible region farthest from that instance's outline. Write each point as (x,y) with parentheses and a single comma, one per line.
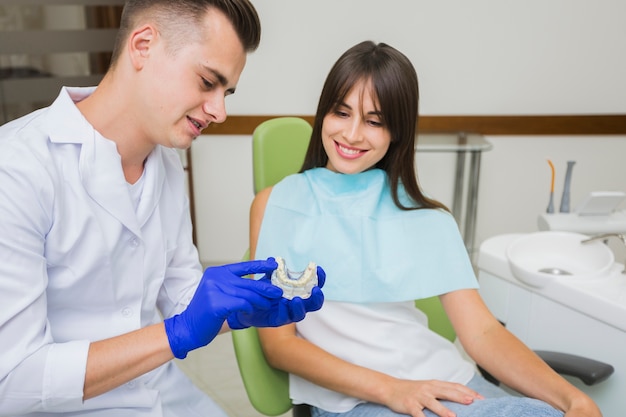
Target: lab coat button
(127,312)
(134,242)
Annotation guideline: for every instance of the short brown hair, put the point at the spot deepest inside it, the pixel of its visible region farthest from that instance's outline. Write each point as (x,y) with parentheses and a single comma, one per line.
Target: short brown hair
(180,19)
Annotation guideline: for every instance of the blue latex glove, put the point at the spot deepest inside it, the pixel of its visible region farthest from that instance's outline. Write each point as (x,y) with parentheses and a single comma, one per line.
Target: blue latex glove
(221,292)
(283,311)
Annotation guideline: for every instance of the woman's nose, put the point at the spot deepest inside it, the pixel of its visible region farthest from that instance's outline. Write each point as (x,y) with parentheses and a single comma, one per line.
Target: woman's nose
(352,132)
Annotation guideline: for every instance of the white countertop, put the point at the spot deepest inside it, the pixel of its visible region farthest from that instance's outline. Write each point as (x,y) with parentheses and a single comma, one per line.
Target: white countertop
(601,298)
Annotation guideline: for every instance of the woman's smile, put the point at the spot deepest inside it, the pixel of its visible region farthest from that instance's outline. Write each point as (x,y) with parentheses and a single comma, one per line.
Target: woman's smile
(348,152)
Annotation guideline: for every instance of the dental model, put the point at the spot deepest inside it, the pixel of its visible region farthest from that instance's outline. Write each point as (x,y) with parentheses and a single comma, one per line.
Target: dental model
(295,284)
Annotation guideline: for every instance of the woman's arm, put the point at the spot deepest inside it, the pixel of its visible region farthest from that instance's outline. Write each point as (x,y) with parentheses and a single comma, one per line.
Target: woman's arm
(284,350)
(257,210)
(504,356)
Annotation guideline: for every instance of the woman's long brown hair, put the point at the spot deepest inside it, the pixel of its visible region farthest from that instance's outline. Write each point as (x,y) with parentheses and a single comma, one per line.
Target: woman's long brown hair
(394,81)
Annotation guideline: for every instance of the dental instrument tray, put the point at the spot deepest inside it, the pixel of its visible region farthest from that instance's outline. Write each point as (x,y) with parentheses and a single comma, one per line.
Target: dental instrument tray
(597,213)
(599,203)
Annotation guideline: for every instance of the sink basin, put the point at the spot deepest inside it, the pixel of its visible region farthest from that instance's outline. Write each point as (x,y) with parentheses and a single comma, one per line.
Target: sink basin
(537,258)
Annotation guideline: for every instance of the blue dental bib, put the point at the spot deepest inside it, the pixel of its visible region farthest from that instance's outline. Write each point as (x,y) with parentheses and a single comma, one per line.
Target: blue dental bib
(370,250)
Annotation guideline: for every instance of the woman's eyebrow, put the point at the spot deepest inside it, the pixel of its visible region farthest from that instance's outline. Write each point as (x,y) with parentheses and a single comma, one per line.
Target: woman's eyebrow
(343,104)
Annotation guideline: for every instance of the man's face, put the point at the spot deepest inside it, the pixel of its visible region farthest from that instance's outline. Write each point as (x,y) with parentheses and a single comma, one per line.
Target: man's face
(185,91)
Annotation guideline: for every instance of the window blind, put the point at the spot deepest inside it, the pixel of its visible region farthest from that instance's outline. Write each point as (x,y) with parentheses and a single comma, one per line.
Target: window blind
(46,44)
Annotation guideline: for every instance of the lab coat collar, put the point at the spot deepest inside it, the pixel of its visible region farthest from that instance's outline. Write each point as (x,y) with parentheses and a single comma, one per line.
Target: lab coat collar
(101,173)
(100,163)
(64,109)
(154,172)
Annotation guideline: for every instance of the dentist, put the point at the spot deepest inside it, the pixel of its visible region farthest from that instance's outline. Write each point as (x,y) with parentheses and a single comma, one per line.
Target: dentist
(95,232)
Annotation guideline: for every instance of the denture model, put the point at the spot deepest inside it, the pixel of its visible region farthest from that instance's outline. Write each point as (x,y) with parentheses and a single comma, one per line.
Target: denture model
(295,284)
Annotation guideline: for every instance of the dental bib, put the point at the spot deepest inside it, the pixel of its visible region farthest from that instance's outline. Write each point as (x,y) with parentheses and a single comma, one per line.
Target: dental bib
(370,250)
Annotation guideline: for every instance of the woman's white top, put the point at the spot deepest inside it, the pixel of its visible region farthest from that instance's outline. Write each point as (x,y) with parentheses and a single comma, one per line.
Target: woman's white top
(79,262)
(392,338)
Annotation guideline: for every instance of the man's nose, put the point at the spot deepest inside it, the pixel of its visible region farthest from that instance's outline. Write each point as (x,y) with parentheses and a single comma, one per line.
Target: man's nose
(215,108)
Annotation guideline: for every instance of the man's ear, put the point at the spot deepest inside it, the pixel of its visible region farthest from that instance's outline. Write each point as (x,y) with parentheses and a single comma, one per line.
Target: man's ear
(139,44)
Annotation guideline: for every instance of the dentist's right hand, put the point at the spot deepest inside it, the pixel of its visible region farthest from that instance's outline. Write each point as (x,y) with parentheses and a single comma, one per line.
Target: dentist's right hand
(221,291)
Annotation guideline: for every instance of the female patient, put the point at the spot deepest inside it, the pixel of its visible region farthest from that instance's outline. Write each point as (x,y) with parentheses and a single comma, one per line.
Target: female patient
(357,209)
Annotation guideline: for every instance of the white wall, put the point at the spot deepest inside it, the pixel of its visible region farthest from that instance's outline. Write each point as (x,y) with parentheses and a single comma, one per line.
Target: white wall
(222,176)
(472,57)
(478,57)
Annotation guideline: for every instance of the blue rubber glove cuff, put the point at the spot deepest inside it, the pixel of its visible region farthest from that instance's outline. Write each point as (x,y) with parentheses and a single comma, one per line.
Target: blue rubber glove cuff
(178,343)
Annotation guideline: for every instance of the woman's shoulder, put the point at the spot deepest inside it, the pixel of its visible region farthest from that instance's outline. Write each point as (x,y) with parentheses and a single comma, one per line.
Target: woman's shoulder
(290,181)
(285,191)
(289,186)
(260,199)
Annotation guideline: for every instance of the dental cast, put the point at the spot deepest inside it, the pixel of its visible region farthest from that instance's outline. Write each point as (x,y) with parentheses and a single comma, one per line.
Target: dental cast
(295,284)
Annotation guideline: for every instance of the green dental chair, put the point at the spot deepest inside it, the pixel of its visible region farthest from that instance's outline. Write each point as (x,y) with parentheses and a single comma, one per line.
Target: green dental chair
(278,149)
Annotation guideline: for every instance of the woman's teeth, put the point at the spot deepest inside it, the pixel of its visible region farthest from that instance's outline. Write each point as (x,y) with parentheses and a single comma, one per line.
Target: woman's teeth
(348,151)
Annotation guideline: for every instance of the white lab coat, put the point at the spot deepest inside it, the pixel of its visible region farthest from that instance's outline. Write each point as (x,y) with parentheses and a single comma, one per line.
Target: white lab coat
(79,264)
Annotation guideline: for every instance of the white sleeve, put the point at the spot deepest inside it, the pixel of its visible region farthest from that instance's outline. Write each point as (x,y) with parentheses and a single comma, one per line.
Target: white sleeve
(183,270)
(35,373)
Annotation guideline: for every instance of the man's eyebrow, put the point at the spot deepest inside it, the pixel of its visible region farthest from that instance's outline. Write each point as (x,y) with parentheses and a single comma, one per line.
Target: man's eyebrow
(221,79)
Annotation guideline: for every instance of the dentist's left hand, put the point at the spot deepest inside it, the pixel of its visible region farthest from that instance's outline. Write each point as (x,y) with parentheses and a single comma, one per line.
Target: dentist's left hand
(222,291)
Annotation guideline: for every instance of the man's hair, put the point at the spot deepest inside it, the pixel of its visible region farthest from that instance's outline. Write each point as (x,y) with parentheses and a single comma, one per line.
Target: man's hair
(179,21)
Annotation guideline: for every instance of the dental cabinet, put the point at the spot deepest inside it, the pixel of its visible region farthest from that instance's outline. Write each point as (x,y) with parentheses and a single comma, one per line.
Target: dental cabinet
(580,312)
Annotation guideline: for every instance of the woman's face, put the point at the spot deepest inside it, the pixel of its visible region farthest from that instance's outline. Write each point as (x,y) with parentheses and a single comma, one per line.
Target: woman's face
(353,134)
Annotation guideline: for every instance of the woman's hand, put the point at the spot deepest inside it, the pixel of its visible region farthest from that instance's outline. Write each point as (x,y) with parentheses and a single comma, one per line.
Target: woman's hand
(412,397)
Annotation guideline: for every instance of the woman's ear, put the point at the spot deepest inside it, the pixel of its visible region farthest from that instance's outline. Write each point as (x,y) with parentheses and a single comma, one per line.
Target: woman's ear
(140,42)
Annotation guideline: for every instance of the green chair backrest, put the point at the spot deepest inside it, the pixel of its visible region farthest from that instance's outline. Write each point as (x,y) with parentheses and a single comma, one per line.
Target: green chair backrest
(278,149)
(267,387)
(437,318)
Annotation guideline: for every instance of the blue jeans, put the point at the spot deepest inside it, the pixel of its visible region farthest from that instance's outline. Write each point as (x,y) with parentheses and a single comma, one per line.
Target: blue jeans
(497,403)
